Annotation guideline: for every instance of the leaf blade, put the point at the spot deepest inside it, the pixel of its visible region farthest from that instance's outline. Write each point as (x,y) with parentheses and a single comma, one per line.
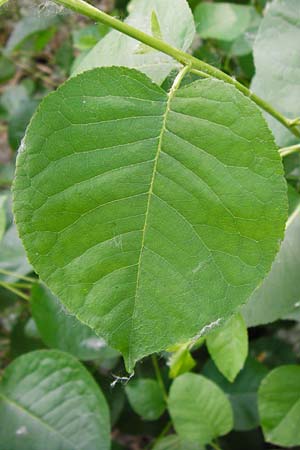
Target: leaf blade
(143,184)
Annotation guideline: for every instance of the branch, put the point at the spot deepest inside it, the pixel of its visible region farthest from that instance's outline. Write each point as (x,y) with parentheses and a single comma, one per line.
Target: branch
(289,150)
(84,8)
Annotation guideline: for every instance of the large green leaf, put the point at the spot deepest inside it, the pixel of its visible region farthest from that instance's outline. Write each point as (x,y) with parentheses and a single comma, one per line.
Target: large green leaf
(176,25)
(224,21)
(60,330)
(242,394)
(146,398)
(279,294)
(49,400)
(133,204)
(228,346)
(199,409)
(279,406)
(276,56)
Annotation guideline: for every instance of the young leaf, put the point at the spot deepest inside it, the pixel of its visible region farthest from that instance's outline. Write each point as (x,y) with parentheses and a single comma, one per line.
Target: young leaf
(130,201)
(224,21)
(48,399)
(2,215)
(228,346)
(199,409)
(60,330)
(146,398)
(173,442)
(279,406)
(172,18)
(181,361)
(277,46)
(279,293)
(242,394)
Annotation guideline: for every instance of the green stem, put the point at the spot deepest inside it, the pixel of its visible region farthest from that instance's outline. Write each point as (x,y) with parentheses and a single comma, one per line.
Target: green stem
(14,290)
(18,276)
(215,445)
(90,11)
(21,285)
(159,377)
(289,150)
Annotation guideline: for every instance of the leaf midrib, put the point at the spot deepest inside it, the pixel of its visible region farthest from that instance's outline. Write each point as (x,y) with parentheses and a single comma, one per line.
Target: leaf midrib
(170,96)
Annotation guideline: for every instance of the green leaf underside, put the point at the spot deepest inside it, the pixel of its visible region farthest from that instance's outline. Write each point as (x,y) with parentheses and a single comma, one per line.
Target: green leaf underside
(149,215)
(224,21)
(279,294)
(279,406)
(47,396)
(177,27)
(228,346)
(200,411)
(277,45)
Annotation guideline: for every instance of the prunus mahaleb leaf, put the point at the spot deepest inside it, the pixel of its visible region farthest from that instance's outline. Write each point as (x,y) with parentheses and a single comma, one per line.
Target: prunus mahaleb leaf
(49,400)
(277,62)
(279,293)
(200,411)
(60,330)
(279,406)
(176,24)
(146,398)
(228,346)
(150,215)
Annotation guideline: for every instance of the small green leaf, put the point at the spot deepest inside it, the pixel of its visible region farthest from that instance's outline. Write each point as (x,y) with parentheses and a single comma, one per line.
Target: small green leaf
(277,46)
(48,399)
(279,406)
(130,201)
(242,393)
(200,411)
(36,30)
(155,26)
(224,21)
(2,215)
(173,18)
(173,442)
(228,346)
(181,361)
(63,331)
(146,398)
